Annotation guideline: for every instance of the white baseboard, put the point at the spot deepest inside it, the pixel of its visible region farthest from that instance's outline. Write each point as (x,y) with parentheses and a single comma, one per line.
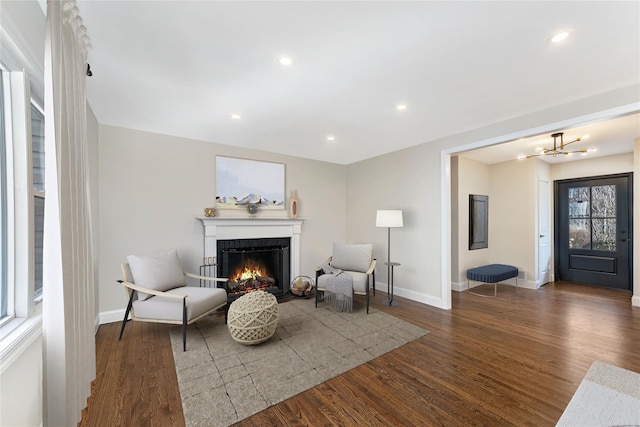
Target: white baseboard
(635,301)
(458,286)
(111,316)
(413,295)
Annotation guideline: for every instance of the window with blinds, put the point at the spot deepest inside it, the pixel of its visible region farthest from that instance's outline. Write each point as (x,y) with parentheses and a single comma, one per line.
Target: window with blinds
(37,159)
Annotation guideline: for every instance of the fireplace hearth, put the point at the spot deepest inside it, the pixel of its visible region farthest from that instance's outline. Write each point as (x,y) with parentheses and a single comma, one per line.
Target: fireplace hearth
(255,264)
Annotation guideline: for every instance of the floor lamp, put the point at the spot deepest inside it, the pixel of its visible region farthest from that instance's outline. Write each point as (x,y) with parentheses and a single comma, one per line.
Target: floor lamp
(389,218)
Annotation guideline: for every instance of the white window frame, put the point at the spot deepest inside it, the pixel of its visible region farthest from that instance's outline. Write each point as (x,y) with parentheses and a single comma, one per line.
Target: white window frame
(20,202)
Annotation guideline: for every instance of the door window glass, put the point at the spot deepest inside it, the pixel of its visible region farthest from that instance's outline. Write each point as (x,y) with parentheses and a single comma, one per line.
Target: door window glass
(592,218)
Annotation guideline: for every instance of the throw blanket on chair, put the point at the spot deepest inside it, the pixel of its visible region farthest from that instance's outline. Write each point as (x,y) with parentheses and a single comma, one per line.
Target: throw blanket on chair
(338,288)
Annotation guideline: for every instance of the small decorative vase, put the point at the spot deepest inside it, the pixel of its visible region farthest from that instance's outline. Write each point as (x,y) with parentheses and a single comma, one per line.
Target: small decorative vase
(293,205)
(209,212)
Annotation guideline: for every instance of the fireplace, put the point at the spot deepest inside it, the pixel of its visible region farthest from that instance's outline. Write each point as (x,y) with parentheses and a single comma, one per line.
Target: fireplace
(255,264)
(264,232)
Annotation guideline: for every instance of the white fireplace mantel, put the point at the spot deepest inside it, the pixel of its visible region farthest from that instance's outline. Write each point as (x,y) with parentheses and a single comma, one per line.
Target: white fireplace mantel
(253,228)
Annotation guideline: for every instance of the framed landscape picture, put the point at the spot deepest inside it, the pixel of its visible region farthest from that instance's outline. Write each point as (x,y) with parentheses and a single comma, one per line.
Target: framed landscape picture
(240,182)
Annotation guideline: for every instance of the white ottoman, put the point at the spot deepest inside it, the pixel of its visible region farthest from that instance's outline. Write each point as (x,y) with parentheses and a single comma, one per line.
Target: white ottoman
(253,318)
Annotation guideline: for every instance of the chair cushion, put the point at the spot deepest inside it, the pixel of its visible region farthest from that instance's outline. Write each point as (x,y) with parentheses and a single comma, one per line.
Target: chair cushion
(359,281)
(161,271)
(199,301)
(352,257)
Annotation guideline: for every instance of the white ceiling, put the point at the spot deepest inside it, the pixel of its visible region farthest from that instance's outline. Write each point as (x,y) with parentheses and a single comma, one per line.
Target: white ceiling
(615,136)
(183,67)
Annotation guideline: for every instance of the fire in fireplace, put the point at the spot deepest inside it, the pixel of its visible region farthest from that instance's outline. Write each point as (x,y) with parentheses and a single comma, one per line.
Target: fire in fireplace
(255,264)
(249,270)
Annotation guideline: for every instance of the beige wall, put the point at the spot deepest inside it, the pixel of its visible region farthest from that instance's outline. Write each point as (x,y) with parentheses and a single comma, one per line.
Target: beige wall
(609,165)
(472,178)
(408,180)
(152,187)
(513,215)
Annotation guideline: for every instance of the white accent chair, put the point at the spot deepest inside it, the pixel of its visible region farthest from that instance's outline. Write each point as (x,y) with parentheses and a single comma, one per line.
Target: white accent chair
(158,292)
(356,260)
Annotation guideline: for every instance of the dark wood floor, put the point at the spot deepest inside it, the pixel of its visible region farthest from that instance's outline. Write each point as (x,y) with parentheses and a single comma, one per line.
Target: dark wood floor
(511,360)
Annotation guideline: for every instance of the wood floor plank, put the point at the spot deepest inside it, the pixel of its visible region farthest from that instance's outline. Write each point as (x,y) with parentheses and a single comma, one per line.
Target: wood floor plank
(515,359)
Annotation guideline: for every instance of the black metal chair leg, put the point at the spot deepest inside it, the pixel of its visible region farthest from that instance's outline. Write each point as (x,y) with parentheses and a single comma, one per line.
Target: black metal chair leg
(184,325)
(367,300)
(374,283)
(126,313)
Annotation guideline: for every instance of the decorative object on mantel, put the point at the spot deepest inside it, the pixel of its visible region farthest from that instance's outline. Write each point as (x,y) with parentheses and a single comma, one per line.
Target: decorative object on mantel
(209,212)
(252,208)
(293,205)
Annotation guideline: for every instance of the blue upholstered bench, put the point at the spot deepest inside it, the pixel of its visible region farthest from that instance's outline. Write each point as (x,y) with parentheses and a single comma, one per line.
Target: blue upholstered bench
(492,273)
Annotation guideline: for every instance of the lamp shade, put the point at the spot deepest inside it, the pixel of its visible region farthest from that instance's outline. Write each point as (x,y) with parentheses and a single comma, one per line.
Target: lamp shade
(389,218)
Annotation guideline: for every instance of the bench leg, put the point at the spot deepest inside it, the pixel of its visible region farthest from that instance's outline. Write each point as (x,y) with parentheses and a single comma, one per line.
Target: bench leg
(495,289)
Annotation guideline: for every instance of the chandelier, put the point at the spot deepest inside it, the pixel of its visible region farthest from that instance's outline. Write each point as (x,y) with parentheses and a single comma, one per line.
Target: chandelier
(559,149)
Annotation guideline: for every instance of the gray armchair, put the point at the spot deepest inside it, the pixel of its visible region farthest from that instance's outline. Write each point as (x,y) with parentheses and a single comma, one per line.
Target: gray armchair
(357,261)
(158,292)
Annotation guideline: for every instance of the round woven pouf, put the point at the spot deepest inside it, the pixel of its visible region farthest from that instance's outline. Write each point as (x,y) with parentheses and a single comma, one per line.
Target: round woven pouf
(253,318)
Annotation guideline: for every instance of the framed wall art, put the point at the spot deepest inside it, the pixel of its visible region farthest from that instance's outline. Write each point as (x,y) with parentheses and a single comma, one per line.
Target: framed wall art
(241,182)
(478,221)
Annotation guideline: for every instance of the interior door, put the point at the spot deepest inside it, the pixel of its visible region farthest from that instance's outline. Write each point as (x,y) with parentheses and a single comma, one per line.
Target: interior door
(593,231)
(544,231)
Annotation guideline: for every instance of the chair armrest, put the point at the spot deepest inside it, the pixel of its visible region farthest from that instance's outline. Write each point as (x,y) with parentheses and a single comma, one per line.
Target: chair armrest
(138,288)
(372,267)
(213,279)
(319,269)
(326,262)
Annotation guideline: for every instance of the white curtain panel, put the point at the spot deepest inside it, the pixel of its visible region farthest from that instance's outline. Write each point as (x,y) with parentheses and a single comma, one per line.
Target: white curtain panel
(68,288)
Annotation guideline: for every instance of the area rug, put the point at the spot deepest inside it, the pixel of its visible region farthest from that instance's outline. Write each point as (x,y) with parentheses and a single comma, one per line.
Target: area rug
(607,396)
(222,382)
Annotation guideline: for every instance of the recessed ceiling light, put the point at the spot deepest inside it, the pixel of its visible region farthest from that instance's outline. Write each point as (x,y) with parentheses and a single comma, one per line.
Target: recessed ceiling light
(286,61)
(235,116)
(560,37)
(331,138)
(401,107)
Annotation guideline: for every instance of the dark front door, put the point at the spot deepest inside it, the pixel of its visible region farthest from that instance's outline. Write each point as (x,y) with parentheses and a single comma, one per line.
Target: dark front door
(593,231)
